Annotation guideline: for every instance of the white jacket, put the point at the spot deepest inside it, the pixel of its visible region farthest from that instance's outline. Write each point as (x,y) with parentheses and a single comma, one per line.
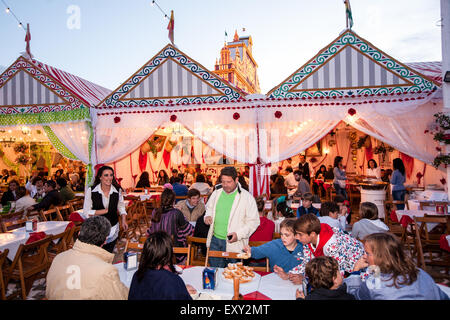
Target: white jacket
(244,218)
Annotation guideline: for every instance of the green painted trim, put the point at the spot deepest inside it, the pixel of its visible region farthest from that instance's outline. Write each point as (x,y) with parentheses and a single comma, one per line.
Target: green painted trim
(58,144)
(81,114)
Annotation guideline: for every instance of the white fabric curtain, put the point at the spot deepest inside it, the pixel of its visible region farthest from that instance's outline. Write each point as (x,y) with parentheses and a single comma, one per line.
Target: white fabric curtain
(119,135)
(405,132)
(296,130)
(75,137)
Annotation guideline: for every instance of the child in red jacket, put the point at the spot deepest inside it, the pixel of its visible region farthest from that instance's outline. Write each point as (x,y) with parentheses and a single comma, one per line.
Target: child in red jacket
(322,240)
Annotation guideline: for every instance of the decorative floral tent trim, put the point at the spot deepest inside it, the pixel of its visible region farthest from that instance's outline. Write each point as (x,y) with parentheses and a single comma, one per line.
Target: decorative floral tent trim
(361,60)
(43,117)
(150,86)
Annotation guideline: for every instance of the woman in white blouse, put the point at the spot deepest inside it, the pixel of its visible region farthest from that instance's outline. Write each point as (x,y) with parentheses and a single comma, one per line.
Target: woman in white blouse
(105,198)
(373,171)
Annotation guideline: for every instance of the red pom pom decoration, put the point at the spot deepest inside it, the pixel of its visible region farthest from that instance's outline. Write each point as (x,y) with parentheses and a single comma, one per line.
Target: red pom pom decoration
(173,118)
(351,111)
(116,119)
(278,114)
(236,116)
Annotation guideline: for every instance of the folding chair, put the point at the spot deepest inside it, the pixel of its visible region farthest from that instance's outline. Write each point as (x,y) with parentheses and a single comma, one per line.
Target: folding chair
(394,227)
(220,254)
(257,244)
(277,195)
(14,224)
(51,215)
(197,258)
(72,236)
(3,256)
(65,211)
(61,244)
(30,261)
(4,218)
(183,250)
(428,243)
(77,204)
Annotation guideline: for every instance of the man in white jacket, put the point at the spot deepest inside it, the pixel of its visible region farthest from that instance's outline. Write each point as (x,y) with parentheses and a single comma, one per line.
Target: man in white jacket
(232,213)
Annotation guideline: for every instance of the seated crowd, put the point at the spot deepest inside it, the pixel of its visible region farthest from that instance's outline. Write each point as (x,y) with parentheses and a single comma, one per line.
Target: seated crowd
(313,245)
(40,193)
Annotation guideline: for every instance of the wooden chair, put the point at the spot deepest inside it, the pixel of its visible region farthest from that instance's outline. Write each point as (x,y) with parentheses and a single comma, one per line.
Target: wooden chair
(277,195)
(220,254)
(3,256)
(428,243)
(61,244)
(72,236)
(257,244)
(51,215)
(178,198)
(197,258)
(132,232)
(394,227)
(77,204)
(14,224)
(65,211)
(183,250)
(28,264)
(8,218)
(139,190)
(276,235)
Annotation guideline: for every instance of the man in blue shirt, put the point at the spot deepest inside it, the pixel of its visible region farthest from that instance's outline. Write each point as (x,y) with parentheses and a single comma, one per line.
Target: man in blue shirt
(178,188)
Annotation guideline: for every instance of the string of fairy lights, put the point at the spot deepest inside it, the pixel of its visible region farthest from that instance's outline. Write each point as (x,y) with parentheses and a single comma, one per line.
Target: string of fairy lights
(8,10)
(154,3)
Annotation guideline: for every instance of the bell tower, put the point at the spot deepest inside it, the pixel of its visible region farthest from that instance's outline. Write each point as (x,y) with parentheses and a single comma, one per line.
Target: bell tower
(237,65)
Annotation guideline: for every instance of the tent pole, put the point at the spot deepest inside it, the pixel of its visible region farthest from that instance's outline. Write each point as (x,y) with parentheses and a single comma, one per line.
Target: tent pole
(445,36)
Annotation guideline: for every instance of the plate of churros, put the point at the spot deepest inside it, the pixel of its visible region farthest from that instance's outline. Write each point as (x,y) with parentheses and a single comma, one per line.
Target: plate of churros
(244,273)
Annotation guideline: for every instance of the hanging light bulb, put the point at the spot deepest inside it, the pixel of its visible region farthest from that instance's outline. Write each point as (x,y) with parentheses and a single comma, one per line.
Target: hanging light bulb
(153,3)
(7,10)
(20,25)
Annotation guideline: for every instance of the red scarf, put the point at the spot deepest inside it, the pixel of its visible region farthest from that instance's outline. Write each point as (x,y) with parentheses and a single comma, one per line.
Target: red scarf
(325,234)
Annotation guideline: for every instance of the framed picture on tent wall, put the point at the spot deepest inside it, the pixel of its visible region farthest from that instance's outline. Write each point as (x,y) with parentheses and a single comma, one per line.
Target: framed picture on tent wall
(315,150)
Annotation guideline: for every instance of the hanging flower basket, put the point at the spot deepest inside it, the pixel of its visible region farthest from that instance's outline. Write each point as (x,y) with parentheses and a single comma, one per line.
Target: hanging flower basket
(20,147)
(22,159)
(441,159)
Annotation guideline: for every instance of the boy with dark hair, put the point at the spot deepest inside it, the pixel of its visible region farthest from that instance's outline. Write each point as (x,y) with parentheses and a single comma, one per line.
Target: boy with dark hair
(326,280)
(307,206)
(329,214)
(320,239)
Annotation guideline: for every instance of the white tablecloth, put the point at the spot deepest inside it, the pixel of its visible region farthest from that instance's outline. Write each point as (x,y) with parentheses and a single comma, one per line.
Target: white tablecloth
(417,213)
(271,285)
(415,205)
(12,240)
(276,288)
(143,196)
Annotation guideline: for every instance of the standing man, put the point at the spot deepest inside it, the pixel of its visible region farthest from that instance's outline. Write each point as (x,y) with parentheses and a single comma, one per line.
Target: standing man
(232,213)
(303,166)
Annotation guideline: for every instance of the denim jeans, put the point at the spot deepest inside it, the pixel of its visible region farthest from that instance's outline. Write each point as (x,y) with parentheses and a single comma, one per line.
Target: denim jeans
(219,245)
(340,190)
(399,195)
